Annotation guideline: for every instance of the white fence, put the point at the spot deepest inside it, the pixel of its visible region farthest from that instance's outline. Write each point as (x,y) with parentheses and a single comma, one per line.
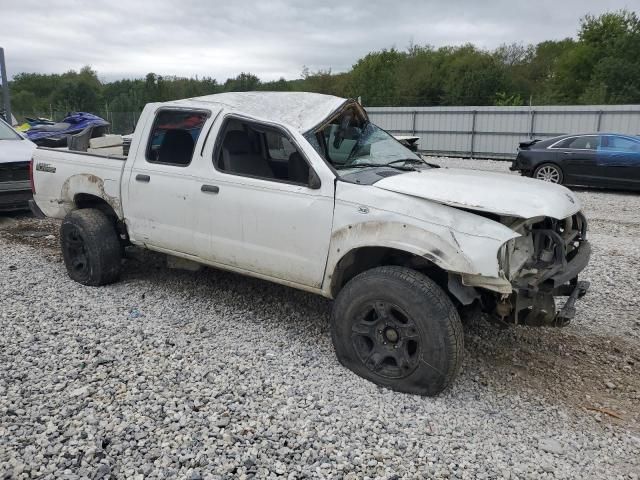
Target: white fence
(494,132)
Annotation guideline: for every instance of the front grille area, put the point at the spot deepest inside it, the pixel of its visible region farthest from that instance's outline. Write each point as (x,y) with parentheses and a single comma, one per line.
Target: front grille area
(16,200)
(557,242)
(14,172)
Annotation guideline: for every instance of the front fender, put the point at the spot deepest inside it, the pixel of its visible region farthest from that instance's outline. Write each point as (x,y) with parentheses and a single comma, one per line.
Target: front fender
(456,241)
(400,236)
(475,258)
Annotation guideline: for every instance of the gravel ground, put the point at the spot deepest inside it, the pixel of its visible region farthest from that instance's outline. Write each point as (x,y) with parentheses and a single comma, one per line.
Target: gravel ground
(171,374)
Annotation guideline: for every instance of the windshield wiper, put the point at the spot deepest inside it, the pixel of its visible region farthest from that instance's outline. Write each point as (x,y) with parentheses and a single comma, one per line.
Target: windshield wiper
(406,160)
(376,165)
(393,164)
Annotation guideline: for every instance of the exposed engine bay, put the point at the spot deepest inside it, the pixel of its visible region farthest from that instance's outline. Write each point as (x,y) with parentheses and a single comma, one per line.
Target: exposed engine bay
(541,264)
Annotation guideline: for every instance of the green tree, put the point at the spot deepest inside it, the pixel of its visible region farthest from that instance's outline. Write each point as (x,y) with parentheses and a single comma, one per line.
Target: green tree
(374,77)
(540,73)
(604,65)
(503,99)
(244,82)
(613,40)
(418,78)
(471,76)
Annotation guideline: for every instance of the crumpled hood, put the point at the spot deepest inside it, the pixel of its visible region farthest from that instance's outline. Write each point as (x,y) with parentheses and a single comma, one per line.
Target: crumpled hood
(16,150)
(498,193)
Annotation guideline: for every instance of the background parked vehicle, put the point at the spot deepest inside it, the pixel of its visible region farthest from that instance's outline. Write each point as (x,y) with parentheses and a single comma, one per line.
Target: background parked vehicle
(15,154)
(596,160)
(409,141)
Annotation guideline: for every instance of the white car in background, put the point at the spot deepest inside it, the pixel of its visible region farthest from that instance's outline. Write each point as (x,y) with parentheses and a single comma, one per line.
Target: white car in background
(15,156)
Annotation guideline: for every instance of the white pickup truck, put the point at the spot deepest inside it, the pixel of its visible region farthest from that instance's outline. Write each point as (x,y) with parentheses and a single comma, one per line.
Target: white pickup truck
(301,189)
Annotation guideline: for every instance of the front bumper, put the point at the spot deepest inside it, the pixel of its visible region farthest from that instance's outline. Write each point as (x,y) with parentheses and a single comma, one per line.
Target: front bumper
(574,266)
(534,302)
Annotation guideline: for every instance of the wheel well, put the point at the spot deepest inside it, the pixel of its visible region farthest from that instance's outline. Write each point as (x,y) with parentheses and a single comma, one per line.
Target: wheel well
(360,259)
(86,200)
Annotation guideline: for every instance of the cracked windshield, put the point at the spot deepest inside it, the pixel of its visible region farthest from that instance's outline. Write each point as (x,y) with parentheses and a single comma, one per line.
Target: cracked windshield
(351,141)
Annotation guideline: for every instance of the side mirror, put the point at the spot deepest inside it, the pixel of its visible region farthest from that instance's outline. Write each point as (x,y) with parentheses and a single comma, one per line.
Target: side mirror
(314,180)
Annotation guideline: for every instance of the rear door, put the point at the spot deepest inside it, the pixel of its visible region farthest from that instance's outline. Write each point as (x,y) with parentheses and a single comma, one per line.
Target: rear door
(619,161)
(162,189)
(577,157)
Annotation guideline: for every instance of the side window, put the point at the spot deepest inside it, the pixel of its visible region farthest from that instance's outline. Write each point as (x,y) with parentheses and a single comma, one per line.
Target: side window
(620,144)
(584,143)
(280,147)
(260,151)
(174,135)
(564,143)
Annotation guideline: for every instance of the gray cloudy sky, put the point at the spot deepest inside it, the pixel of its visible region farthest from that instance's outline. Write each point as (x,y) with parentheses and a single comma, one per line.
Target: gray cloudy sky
(271,38)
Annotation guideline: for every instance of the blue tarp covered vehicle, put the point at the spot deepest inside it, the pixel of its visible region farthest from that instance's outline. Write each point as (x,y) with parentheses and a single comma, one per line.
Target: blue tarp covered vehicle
(55,134)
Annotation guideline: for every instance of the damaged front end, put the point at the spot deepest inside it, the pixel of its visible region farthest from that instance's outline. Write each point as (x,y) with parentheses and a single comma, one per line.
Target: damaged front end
(541,264)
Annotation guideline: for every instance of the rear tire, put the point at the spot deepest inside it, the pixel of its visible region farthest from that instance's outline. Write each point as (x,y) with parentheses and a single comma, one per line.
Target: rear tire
(549,172)
(395,327)
(90,247)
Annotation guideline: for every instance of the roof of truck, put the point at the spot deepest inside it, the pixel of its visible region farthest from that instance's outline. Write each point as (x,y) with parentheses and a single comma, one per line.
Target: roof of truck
(300,110)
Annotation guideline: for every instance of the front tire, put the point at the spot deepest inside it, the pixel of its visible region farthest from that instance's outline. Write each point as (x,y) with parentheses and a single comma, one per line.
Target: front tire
(549,172)
(395,327)
(90,247)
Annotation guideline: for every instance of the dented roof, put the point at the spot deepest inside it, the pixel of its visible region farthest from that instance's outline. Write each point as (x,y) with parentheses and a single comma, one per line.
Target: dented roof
(300,110)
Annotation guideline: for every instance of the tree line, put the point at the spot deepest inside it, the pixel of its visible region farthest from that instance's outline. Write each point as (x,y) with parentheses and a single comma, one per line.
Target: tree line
(600,66)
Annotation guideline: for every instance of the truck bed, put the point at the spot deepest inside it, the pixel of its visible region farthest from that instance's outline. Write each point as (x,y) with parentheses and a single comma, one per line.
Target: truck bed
(59,173)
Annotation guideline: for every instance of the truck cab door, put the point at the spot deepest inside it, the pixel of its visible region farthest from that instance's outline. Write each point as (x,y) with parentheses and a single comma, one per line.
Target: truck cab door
(268,208)
(161,191)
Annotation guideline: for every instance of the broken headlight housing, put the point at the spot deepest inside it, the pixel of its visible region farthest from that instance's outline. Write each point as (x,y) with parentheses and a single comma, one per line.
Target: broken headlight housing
(544,244)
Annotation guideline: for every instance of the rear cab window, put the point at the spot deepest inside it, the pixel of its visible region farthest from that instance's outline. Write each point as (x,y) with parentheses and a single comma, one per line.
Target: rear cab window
(174,136)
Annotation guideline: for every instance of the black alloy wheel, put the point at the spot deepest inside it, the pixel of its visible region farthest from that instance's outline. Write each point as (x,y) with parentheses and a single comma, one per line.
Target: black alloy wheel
(386,340)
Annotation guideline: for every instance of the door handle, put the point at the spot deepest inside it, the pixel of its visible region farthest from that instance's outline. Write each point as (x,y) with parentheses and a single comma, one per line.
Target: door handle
(143,178)
(210,188)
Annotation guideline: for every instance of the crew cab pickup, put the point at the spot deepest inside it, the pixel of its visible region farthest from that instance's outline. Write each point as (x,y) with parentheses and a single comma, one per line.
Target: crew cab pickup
(303,190)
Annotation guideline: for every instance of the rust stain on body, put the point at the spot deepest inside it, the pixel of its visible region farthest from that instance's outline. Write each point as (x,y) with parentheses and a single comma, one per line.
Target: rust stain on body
(91,185)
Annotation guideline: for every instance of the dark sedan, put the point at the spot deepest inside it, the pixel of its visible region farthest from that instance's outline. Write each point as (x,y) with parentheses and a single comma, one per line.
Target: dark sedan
(597,160)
